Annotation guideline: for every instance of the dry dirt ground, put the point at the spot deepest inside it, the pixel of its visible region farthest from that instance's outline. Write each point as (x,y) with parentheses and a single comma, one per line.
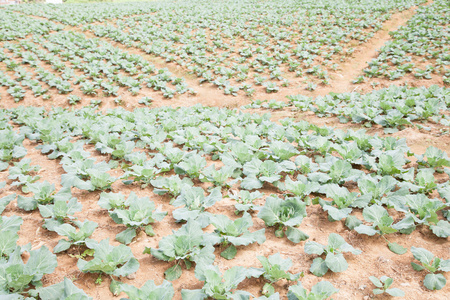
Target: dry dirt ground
(375,259)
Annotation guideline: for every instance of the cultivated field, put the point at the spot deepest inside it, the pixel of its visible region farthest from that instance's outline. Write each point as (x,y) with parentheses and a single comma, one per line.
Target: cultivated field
(225,150)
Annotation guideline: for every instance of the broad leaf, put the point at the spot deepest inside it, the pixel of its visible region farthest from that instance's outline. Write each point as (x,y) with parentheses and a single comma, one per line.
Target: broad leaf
(434,281)
(397,249)
(173,273)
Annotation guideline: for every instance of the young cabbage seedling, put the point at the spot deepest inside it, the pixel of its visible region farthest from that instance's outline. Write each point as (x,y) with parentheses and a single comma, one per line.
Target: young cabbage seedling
(172,185)
(383,224)
(74,237)
(383,285)
(186,245)
(21,173)
(16,277)
(114,261)
(274,268)
(435,158)
(149,290)
(195,203)
(216,285)
(285,215)
(61,211)
(63,290)
(44,193)
(342,202)
(320,291)
(334,260)
(245,200)
(230,234)
(135,213)
(432,264)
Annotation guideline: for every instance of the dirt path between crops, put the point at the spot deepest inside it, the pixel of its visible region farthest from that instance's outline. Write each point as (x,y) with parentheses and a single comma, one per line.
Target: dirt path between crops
(368,51)
(342,81)
(207,94)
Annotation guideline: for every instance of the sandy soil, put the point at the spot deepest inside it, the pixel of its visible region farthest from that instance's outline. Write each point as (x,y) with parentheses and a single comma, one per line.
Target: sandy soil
(375,260)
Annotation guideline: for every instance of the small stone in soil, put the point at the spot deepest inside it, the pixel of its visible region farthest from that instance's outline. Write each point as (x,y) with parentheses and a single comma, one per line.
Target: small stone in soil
(405,284)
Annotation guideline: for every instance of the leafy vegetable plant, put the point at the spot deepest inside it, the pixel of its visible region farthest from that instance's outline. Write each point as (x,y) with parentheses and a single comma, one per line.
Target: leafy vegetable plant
(245,200)
(74,237)
(188,244)
(191,165)
(342,202)
(195,202)
(114,261)
(218,177)
(320,291)
(143,174)
(258,172)
(284,215)
(334,257)
(10,147)
(383,284)
(135,213)
(382,224)
(172,185)
(63,290)
(22,172)
(274,268)
(230,234)
(16,276)
(216,285)
(60,211)
(149,290)
(432,264)
(97,178)
(9,226)
(435,158)
(301,187)
(44,193)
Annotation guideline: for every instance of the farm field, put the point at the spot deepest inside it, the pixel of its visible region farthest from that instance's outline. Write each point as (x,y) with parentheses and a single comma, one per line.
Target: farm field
(225,150)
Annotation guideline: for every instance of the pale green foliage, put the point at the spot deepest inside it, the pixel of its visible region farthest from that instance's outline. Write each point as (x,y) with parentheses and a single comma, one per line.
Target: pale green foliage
(186,244)
(285,215)
(383,284)
(334,257)
(235,233)
(274,268)
(431,264)
(320,291)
